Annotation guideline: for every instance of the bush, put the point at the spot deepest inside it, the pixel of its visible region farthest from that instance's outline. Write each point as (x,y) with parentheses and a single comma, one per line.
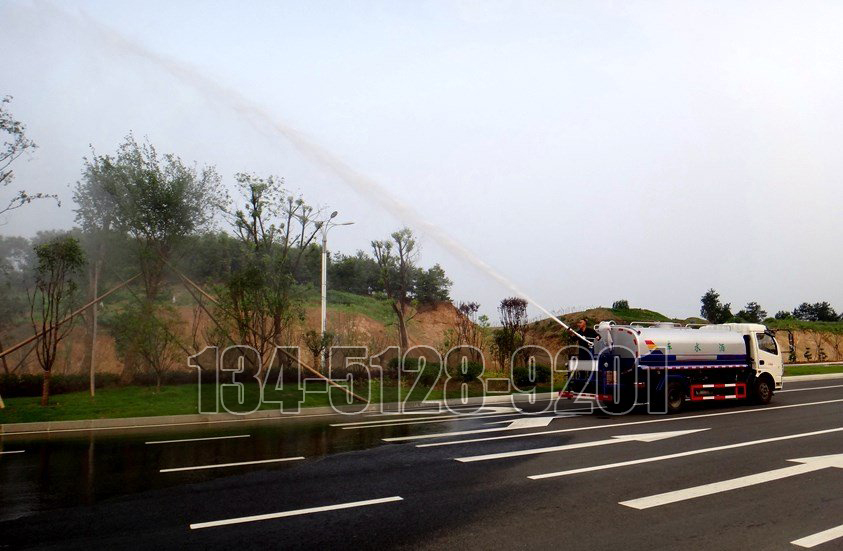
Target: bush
(429,373)
(15,386)
(521,376)
(467,373)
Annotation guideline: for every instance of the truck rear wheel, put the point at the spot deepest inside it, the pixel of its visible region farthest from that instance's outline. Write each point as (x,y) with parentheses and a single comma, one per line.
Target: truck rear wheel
(675,398)
(763,391)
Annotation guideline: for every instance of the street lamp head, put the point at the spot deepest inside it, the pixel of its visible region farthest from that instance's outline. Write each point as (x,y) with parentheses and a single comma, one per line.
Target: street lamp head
(333,214)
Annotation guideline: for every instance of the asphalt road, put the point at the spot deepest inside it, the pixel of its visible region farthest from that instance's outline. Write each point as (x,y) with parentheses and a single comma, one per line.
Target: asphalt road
(716,477)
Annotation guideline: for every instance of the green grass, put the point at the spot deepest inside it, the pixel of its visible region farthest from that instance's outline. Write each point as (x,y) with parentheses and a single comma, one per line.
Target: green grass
(799,325)
(140,401)
(629,315)
(812,369)
(340,301)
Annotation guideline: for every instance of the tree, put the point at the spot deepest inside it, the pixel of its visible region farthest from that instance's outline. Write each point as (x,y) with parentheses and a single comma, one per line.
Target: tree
(622,304)
(15,144)
(783,315)
(752,313)
(467,328)
(835,340)
(818,311)
(513,331)
(146,334)
(317,343)
(713,310)
(96,213)
(431,285)
(357,274)
(396,260)
(817,337)
(51,301)
(258,298)
(14,262)
(158,201)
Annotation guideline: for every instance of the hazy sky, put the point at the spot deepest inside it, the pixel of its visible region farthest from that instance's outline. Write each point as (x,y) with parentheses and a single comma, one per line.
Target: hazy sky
(589,151)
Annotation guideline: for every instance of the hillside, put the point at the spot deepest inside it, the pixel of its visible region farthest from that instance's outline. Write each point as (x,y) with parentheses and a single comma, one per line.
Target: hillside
(358,320)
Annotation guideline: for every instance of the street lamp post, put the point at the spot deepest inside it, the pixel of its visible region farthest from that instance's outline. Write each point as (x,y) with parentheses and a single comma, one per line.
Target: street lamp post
(327,225)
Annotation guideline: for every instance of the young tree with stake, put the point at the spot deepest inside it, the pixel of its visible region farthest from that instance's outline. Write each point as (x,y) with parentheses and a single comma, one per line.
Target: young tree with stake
(59,261)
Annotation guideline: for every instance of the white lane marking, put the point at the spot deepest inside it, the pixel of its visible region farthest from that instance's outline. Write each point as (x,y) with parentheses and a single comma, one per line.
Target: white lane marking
(197,439)
(682,454)
(295,512)
(13,451)
(518,424)
(809,388)
(649,437)
(808,465)
(426,421)
(820,537)
(494,412)
(218,465)
(597,427)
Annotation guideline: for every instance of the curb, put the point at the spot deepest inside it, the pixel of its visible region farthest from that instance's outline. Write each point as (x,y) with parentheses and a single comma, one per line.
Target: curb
(208,419)
(817,377)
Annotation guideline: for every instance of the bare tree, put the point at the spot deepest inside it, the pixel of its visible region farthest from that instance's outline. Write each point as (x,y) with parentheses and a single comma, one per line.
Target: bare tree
(467,327)
(52,300)
(513,331)
(15,144)
(396,260)
(817,338)
(836,340)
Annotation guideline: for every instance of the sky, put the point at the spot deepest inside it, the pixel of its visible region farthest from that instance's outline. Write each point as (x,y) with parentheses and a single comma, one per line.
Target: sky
(586,151)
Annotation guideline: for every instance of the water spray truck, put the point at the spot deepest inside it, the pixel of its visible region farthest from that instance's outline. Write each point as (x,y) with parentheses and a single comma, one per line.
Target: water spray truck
(666,365)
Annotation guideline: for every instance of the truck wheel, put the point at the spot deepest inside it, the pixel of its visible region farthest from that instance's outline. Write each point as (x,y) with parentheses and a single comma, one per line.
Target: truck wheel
(675,398)
(763,391)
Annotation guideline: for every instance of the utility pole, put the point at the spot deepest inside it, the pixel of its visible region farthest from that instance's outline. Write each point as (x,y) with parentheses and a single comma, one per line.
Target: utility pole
(326,225)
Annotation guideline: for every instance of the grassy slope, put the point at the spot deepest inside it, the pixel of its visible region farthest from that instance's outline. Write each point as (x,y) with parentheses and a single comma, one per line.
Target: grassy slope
(340,301)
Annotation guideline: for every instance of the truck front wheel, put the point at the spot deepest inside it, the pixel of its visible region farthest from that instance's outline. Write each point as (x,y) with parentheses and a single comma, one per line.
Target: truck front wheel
(763,391)
(675,398)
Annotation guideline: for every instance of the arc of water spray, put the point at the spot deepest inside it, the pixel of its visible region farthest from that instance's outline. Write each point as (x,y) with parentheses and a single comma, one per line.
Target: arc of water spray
(316,153)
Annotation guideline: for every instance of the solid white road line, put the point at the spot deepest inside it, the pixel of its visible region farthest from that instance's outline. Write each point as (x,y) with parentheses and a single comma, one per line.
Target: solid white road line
(218,465)
(649,437)
(621,425)
(295,512)
(12,451)
(820,537)
(518,424)
(197,439)
(808,465)
(682,454)
(430,420)
(495,412)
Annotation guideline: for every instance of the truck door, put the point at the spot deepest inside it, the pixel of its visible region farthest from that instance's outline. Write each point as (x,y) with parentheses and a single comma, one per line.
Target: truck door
(768,358)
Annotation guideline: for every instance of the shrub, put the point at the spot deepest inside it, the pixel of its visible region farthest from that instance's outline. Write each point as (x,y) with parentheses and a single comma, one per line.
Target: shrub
(521,376)
(14,386)
(467,372)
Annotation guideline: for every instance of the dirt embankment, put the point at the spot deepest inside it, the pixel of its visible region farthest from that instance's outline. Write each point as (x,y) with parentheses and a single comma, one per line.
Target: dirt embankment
(427,326)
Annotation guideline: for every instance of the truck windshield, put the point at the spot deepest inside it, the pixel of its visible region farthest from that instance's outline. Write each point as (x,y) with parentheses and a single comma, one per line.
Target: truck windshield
(767,343)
